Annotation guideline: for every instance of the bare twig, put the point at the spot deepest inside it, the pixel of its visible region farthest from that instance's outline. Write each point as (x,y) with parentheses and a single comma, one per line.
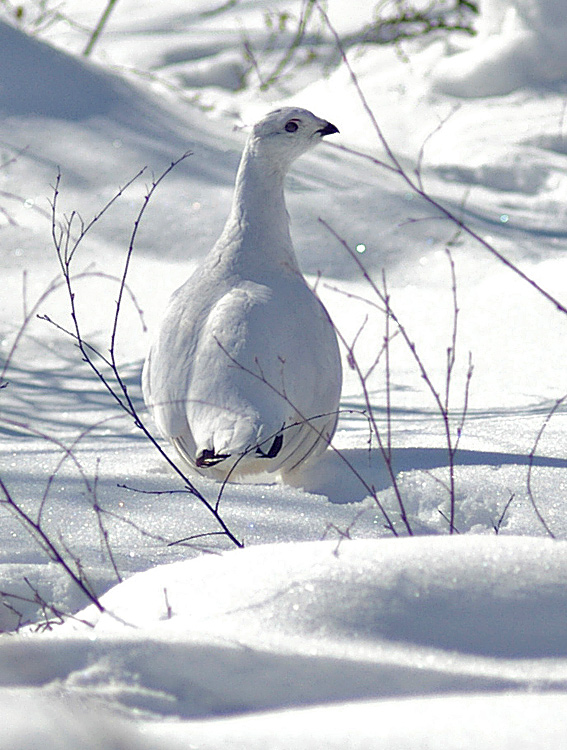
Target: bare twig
(342,534)
(99,27)
(394,165)
(66,247)
(384,448)
(531,460)
(49,546)
(168,609)
(498,525)
(104,534)
(441,399)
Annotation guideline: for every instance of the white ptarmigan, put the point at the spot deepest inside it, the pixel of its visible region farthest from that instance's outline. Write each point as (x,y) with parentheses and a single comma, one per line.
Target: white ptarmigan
(244,376)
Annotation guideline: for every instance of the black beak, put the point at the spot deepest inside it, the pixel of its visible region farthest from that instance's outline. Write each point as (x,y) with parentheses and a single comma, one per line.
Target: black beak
(328,129)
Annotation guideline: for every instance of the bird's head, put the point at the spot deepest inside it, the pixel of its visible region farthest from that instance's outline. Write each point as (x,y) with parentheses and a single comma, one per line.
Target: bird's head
(286,133)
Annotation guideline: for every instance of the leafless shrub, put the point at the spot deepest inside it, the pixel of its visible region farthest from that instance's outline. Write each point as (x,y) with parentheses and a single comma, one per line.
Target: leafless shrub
(413,181)
(453,420)
(51,615)
(68,233)
(549,416)
(38,16)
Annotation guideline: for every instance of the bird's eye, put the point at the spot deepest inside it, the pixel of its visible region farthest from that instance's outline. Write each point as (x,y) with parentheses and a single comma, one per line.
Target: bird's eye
(291,126)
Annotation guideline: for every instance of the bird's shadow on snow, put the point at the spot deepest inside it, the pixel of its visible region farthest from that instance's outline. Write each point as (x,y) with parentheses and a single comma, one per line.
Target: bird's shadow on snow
(344,476)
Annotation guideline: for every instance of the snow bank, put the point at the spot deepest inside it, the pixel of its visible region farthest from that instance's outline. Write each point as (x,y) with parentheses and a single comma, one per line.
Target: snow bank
(498,722)
(31,721)
(519,43)
(286,626)
(423,591)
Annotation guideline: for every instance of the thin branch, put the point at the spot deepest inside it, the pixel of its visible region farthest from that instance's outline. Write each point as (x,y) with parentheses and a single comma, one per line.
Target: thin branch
(147,199)
(99,27)
(49,546)
(113,382)
(531,460)
(414,184)
(303,419)
(498,525)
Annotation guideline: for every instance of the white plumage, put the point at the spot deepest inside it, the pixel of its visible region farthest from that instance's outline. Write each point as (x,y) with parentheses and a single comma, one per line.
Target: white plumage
(245,376)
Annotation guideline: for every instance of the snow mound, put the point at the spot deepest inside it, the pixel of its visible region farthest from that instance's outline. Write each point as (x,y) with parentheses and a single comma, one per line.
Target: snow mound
(520,43)
(66,88)
(30,721)
(425,592)
(290,625)
(521,722)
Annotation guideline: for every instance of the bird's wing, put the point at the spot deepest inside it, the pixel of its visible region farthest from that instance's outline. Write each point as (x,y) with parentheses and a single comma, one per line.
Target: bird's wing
(263,363)
(240,370)
(167,369)
(232,397)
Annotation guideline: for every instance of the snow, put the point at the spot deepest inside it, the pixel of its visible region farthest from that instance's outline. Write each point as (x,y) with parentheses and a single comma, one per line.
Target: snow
(519,44)
(326,630)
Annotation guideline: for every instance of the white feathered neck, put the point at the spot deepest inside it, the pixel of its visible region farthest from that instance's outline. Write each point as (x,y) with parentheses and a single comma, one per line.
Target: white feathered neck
(257,229)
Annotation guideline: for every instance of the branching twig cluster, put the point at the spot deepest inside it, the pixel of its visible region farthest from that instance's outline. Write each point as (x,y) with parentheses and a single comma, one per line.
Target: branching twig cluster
(68,234)
(414,182)
(105,366)
(51,614)
(453,424)
(397,20)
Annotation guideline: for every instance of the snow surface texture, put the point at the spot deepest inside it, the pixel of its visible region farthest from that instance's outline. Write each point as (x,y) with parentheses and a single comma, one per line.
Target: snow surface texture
(520,43)
(245,374)
(429,642)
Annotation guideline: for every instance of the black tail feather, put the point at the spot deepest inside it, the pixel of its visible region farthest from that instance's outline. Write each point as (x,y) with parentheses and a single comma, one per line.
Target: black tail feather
(274,448)
(209,458)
